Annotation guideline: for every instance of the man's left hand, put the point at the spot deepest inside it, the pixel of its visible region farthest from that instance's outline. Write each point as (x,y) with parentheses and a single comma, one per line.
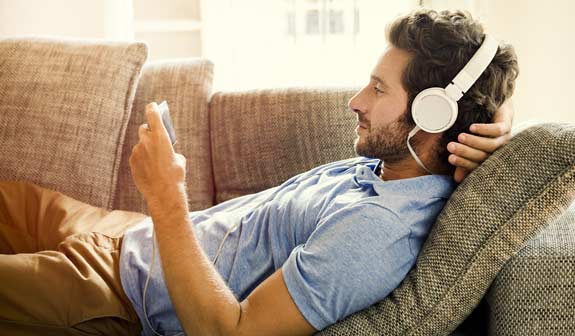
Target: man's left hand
(157,170)
(471,150)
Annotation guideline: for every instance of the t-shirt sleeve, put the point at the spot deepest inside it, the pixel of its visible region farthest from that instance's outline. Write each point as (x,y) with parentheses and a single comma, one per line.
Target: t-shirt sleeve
(354,258)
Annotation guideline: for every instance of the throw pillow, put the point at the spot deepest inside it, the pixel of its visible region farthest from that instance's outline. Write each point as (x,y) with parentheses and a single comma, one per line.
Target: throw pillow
(64,108)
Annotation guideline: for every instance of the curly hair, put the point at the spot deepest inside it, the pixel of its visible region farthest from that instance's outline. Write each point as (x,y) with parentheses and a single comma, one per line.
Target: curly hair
(441,43)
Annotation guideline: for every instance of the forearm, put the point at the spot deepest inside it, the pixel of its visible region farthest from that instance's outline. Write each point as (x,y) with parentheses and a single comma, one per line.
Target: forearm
(203,302)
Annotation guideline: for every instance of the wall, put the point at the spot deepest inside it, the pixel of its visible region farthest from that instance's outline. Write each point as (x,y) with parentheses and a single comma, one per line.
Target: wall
(100,19)
(542,33)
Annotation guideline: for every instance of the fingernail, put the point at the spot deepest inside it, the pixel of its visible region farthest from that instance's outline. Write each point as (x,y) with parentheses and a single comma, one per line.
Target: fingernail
(452,159)
(451,147)
(462,137)
(473,128)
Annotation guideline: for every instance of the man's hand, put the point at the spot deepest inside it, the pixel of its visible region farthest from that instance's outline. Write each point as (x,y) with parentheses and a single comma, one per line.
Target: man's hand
(156,168)
(471,150)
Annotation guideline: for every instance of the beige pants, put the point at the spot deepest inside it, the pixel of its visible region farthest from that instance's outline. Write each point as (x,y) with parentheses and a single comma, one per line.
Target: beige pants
(59,261)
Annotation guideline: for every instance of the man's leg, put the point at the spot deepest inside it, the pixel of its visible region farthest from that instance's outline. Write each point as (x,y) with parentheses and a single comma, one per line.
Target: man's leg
(35,219)
(72,285)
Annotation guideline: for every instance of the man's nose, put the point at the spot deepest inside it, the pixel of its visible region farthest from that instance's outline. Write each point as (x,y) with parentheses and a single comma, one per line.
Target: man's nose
(354,104)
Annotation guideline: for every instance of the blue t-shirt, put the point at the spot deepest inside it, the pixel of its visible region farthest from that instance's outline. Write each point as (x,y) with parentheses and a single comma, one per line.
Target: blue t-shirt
(343,237)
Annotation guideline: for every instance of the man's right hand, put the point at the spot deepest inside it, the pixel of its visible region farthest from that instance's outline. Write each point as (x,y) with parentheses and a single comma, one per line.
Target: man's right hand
(471,150)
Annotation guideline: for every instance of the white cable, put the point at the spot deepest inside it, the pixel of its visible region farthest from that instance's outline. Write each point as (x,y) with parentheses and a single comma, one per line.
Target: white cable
(411,134)
(222,243)
(146,287)
(152,265)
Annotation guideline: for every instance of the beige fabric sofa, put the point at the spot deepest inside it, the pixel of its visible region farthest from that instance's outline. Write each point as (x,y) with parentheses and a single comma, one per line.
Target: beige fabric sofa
(238,143)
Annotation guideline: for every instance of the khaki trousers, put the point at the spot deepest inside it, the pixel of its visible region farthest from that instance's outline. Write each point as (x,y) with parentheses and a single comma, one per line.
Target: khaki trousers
(59,265)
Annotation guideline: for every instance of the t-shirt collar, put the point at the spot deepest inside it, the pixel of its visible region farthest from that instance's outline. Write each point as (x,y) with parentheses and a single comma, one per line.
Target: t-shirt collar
(425,186)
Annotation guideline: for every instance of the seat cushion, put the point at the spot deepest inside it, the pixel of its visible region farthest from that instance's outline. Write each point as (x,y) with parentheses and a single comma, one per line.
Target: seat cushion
(186,85)
(64,108)
(505,202)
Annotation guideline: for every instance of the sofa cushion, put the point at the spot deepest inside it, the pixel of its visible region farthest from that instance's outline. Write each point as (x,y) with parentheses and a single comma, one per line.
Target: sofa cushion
(507,200)
(186,85)
(518,305)
(64,108)
(261,138)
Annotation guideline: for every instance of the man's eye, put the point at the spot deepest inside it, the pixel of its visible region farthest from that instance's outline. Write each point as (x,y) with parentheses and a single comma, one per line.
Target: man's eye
(377,90)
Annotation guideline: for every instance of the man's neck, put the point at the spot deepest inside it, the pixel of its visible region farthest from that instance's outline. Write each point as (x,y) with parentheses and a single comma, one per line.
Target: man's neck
(403,169)
(408,167)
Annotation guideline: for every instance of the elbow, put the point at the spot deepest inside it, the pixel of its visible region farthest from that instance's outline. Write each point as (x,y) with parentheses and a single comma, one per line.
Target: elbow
(230,326)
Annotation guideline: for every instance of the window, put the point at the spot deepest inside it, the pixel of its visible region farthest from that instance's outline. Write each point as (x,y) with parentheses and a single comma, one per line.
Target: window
(312,22)
(262,43)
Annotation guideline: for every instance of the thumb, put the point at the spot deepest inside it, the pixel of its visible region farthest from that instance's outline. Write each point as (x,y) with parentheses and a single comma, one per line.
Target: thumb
(154,118)
(180,159)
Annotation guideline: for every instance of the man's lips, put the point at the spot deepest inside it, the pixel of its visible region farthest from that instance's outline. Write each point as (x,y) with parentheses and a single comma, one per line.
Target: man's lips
(361,125)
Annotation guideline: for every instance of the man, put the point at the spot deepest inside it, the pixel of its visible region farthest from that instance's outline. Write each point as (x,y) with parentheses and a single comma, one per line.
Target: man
(324,244)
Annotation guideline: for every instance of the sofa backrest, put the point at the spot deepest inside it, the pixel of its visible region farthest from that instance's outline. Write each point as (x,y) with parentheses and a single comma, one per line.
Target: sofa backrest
(261,138)
(186,85)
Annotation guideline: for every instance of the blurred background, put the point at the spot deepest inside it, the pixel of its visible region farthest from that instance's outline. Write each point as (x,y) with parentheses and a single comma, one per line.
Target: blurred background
(278,43)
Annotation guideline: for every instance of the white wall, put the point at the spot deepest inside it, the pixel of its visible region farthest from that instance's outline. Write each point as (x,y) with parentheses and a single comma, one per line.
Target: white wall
(101,19)
(543,34)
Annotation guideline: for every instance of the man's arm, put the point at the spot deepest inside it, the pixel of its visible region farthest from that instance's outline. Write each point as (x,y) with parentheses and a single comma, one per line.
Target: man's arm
(471,150)
(203,302)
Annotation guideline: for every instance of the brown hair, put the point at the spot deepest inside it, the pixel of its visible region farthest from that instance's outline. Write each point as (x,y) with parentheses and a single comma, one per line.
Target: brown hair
(441,43)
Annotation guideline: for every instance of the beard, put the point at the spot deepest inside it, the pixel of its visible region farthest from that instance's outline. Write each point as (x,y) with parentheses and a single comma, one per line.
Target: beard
(388,143)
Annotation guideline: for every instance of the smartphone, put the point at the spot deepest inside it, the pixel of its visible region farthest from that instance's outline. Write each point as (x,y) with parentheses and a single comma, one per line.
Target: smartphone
(165,113)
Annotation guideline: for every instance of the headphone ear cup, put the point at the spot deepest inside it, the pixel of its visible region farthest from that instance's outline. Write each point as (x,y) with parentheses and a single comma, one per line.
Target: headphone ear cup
(433,110)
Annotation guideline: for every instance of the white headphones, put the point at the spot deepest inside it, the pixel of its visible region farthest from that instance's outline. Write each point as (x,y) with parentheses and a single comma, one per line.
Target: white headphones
(434,110)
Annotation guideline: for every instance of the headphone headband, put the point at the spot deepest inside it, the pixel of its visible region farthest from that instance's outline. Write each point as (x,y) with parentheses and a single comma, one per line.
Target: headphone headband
(474,68)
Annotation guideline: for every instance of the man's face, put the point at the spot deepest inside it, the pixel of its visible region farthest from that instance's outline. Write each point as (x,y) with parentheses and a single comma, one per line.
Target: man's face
(381,110)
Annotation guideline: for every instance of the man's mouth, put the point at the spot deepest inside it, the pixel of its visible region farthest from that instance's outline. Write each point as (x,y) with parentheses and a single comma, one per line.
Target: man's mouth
(359,127)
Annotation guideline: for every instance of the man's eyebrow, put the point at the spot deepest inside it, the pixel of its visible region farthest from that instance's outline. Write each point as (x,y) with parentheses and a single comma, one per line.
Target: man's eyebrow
(379,80)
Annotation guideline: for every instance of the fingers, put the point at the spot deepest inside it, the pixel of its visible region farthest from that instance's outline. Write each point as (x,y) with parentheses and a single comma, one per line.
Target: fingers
(462,162)
(493,130)
(502,121)
(142,130)
(467,152)
(488,145)
(154,117)
(460,174)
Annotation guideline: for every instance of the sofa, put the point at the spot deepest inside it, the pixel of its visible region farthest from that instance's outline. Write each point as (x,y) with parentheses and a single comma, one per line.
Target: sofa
(500,260)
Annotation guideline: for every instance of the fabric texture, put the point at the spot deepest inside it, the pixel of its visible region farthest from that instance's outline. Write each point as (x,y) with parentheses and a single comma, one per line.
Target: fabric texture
(64,109)
(186,85)
(59,265)
(534,294)
(261,138)
(513,195)
(333,231)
